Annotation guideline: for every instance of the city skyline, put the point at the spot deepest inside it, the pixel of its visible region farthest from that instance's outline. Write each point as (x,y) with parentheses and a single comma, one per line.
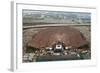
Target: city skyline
(42,16)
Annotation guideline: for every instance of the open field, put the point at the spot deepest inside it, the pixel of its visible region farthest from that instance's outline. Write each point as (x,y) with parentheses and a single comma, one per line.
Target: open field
(30,30)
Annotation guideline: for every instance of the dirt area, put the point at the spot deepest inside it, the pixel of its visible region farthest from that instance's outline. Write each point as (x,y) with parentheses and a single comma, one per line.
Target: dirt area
(29,32)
